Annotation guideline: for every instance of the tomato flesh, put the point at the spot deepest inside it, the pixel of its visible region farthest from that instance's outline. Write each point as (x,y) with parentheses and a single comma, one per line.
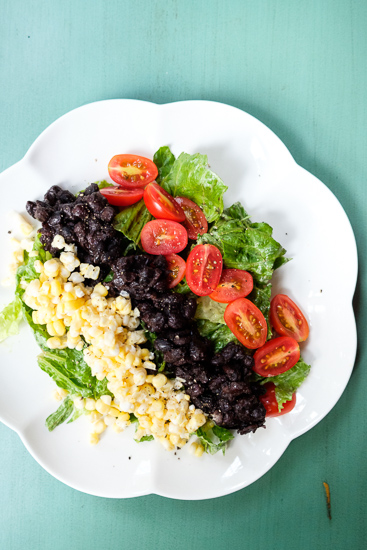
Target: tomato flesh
(163,237)
(270,402)
(161,204)
(233,284)
(276,356)
(246,322)
(287,319)
(122,197)
(195,220)
(131,171)
(203,269)
(177,268)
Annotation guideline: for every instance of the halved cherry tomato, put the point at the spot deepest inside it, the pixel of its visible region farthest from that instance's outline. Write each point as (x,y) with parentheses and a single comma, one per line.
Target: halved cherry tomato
(287,319)
(203,269)
(233,284)
(271,404)
(161,204)
(177,268)
(195,222)
(246,322)
(132,171)
(163,237)
(122,197)
(276,356)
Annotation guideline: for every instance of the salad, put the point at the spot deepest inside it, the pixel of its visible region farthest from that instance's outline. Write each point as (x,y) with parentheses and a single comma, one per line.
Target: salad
(151,304)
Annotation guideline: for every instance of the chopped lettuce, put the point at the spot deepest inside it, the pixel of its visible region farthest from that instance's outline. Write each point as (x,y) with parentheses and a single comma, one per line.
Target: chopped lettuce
(145,438)
(211,310)
(149,344)
(70,372)
(190,176)
(260,296)
(10,318)
(213,437)
(245,245)
(102,184)
(288,382)
(219,334)
(60,415)
(164,160)
(131,221)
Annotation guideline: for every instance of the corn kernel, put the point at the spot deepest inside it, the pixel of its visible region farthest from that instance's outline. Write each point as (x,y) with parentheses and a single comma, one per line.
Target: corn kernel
(99,427)
(90,404)
(159,380)
(93,439)
(102,407)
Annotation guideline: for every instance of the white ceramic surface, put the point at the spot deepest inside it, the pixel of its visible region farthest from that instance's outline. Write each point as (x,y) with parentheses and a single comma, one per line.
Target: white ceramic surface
(260,172)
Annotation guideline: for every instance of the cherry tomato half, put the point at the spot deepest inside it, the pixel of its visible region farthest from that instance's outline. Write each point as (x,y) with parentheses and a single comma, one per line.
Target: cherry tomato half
(203,269)
(287,319)
(195,221)
(122,197)
(233,284)
(163,237)
(246,322)
(177,268)
(271,404)
(276,356)
(161,204)
(132,171)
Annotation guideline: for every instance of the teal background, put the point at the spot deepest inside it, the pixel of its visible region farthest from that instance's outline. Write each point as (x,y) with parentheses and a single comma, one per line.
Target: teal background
(298,66)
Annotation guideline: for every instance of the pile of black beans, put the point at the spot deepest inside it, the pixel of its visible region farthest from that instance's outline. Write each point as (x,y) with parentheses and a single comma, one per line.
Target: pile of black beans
(219,384)
(85,220)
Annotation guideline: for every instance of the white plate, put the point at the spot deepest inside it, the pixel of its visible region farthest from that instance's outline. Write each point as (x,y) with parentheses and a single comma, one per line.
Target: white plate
(260,172)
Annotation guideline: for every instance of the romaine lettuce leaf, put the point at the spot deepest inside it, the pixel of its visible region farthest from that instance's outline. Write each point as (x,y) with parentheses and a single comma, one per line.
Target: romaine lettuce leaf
(210,310)
(218,333)
(245,245)
(288,382)
(190,176)
(164,160)
(60,415)
(131,221)
(10,317)
(213,437)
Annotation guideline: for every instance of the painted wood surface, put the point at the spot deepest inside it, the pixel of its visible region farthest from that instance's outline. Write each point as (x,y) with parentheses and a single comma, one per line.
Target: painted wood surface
(300,67)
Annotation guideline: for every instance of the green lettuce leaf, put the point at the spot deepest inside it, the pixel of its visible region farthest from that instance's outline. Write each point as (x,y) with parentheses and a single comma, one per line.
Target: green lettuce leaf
(288,382)
(10,318)
(61,415)
(158,355)
(102,184)
(245,245)
(70,372)
(131,221)
(164,160)
(210,310)
(190,176)
(145,438)
(260,296)
(219,334)
(214,438)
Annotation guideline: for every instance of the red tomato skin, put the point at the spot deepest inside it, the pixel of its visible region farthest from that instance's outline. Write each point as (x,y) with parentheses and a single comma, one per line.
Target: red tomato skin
(244,306)
(195,220)
(173,235)
(176,264)
(225,293)
(146,171)
(287,357)
(122,197)
(203,269)
(161,204)
(270,402)
(283,301)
